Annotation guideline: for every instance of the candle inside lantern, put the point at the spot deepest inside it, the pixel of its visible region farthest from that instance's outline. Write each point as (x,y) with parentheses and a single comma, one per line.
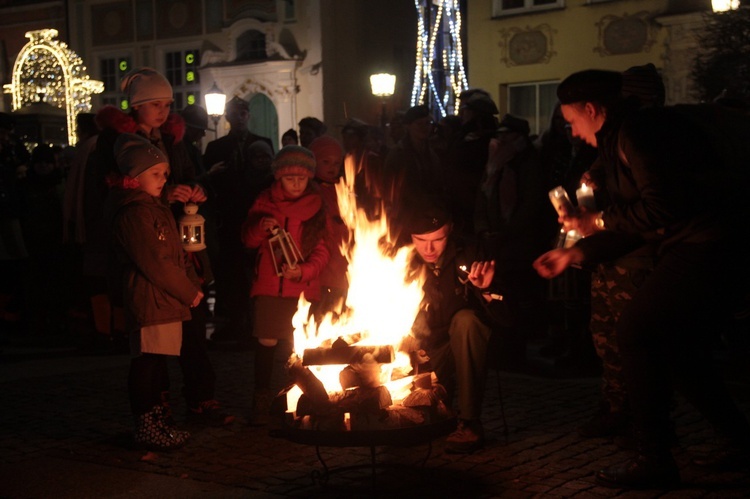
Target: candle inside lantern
(585,196)
(571,237)
(559,199)
(191,228)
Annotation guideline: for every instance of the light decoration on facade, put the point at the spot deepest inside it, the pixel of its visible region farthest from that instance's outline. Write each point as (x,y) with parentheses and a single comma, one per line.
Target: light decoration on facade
(46,70)
(439,76)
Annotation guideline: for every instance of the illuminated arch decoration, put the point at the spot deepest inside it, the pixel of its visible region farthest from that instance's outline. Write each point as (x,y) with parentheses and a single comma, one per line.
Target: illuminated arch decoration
(439,76)
(47,70)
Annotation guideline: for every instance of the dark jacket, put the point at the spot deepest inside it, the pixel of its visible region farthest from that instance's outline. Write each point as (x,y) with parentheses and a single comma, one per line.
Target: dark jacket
(517,240)
(158,281)
(231,149)
(628,249)
(446,291)
(688,165)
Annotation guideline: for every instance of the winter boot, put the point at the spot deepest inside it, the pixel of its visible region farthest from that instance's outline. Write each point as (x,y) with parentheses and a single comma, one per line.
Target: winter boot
(153,433)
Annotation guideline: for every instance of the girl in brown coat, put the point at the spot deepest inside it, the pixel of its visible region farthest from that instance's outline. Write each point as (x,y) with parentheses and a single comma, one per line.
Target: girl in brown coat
(158,283)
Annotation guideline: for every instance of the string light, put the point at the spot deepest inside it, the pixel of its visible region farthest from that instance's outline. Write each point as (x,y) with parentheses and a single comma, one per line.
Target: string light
(46,70)
(439,42)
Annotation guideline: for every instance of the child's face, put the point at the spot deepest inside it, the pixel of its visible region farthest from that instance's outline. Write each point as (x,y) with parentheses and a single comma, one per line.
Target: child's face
(328,166)
(152,180)
(153,114)
(294,185)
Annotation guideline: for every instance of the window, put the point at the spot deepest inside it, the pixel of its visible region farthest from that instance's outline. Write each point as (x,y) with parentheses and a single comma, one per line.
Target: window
(251,46)
(509,7)
(111,72)
(533,102)
(290,11)
(181,70)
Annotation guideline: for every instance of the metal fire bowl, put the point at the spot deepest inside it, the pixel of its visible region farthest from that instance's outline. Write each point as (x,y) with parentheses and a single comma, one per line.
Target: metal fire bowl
(403,437)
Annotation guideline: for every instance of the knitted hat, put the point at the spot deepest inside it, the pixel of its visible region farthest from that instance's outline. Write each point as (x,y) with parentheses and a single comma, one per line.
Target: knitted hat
(145,85)
(260,146)
(323,146)
(591,85)
(135,154)
(645,84)
(294,160)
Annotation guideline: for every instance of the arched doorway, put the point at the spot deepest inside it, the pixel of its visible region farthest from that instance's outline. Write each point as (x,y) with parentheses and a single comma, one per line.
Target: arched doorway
(264,120)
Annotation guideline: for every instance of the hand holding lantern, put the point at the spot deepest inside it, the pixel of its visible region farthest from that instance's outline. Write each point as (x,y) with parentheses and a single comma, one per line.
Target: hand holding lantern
(285,254)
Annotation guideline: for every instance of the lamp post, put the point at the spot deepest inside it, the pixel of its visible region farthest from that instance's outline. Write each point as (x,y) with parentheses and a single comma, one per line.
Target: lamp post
(383,85)
(724,5)
(215,101)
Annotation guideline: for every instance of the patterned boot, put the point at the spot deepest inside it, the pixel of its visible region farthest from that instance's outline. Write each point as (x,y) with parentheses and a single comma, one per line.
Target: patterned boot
(152,432)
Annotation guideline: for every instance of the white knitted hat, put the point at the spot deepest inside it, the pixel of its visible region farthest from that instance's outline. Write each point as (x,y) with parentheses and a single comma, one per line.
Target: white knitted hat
(145,85)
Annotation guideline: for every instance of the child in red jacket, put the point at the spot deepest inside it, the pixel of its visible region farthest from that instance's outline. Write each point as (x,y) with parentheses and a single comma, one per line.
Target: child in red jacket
(294,204)
(329,160)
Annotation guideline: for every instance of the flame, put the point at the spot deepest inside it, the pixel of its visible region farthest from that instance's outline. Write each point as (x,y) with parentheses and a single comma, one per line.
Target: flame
(380,307)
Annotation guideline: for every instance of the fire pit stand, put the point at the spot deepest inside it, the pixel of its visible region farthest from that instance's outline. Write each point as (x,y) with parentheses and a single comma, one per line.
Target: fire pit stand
(400,437)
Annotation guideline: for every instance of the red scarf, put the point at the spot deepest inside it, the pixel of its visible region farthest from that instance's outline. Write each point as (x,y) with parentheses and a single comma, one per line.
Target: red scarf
(302,208)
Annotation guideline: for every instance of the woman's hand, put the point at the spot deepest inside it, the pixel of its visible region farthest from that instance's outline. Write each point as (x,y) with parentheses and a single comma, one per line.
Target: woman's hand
(185,193)
(583,220)
(198,195)
(554,262)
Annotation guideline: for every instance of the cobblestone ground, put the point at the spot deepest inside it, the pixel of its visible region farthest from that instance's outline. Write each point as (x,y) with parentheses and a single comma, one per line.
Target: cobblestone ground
(71,412)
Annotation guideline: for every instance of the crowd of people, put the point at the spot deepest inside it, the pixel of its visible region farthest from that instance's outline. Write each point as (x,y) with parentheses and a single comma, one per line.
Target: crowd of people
(468,195)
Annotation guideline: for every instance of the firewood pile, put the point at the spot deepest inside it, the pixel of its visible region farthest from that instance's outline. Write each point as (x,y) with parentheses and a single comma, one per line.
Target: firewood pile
(363,404)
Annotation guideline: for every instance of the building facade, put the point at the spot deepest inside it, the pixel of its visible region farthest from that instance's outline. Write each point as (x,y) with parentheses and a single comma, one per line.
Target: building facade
(519,50)
(288,58)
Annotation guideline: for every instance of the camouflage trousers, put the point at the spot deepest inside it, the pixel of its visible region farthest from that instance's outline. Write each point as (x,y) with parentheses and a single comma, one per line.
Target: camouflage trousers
(612,288)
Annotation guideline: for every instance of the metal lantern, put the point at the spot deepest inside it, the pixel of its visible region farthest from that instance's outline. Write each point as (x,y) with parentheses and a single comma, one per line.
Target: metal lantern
(283,250)
(192,229)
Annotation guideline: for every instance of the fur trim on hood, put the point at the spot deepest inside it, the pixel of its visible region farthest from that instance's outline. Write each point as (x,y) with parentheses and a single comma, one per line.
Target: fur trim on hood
(111,117)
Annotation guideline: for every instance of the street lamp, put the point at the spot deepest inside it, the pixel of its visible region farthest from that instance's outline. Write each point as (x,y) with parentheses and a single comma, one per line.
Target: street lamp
(383,85)
(215,101)
(724,5)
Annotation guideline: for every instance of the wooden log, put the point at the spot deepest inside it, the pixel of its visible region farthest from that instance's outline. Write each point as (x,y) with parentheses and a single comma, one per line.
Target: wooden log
(311,386)
(346,355)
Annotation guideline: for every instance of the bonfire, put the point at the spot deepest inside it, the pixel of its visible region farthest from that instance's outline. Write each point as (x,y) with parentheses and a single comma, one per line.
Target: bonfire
(355,369)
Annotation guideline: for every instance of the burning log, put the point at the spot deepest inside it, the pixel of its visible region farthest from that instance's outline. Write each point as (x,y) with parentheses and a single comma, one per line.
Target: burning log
(311,387)
(346,355)
(364,374)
